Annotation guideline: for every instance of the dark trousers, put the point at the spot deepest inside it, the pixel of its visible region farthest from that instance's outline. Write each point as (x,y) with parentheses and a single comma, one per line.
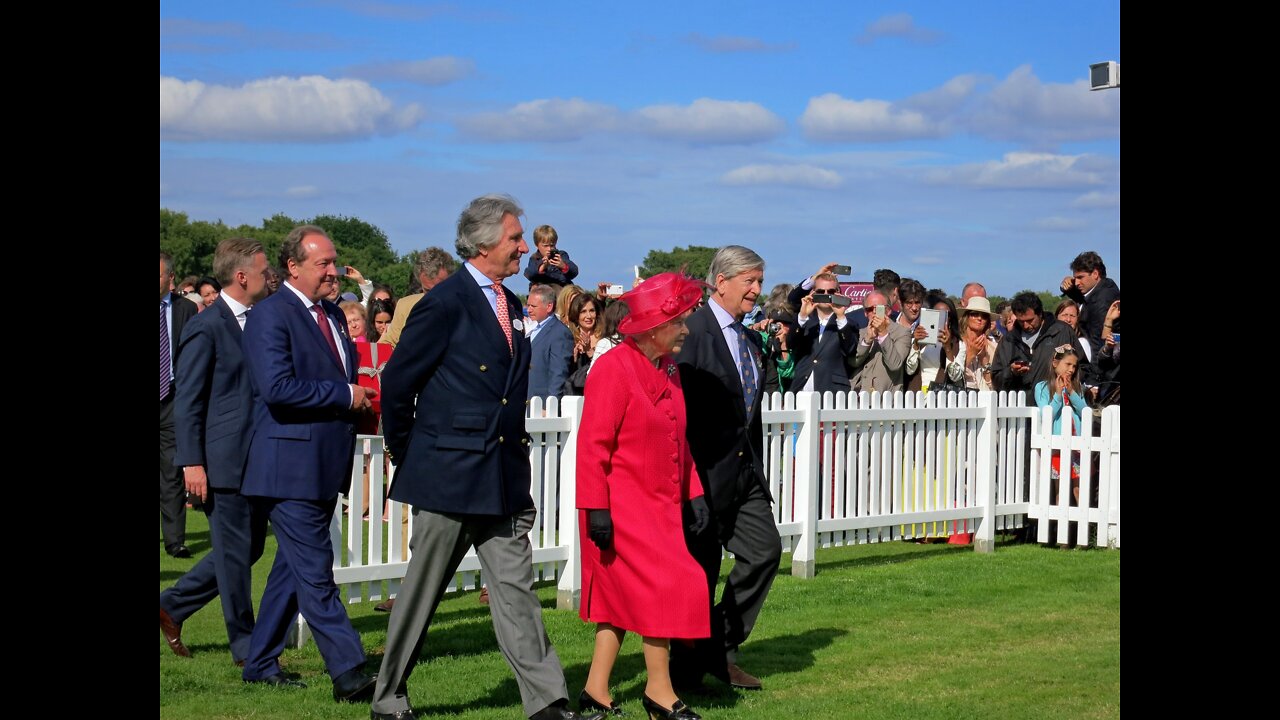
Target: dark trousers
(173,492)
(301,581)
(747,529)
(238,533)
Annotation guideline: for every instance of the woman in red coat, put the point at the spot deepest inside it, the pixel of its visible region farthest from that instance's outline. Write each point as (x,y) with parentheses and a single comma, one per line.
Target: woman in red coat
(635,474)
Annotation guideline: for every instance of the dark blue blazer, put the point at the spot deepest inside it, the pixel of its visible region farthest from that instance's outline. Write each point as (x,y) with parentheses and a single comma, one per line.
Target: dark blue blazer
(825,360)
(303,435)
(552,352)
(452,412)
(213,400)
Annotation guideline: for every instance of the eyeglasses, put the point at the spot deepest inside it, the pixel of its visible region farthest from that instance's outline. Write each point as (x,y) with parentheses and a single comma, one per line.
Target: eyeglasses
(829,291)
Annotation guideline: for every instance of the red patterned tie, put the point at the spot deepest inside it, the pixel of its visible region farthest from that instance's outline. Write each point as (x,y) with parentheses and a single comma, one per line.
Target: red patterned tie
(504,315)
(323,322)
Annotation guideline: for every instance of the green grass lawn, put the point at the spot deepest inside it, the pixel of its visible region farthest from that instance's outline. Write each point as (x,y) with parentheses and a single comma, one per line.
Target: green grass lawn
(894,630)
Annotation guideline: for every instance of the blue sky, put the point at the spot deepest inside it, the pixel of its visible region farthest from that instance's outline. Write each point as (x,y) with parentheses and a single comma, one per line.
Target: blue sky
(948,141)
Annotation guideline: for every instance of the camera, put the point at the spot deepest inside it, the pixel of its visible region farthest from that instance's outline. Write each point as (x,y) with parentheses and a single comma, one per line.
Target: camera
(774,327)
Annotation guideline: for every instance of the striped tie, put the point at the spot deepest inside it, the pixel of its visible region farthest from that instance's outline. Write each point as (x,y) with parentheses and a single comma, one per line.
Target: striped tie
(166,365)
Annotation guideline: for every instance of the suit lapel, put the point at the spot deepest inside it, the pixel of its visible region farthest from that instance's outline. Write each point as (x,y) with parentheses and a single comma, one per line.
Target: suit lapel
(482,315)
(724,358)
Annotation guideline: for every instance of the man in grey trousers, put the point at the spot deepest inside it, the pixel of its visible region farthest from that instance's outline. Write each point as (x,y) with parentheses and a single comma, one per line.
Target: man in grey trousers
(463,461)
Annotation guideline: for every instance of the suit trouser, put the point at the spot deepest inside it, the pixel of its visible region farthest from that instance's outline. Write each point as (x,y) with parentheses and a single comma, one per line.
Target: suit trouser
(506,559)
(238,533)
(173,491)
(746,529)
(301,581)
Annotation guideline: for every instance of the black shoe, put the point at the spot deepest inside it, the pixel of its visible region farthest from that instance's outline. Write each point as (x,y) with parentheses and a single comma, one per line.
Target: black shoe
(277,680)
(353,685)
(179,551)
(678,711)
(397,715)
(586,703)
(560,711)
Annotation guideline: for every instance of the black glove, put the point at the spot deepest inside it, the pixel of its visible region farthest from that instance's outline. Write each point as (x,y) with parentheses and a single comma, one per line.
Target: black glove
(701,514)
(600,528)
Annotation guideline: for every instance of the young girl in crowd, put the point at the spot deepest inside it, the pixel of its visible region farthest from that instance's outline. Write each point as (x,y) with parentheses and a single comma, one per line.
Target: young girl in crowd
(1061,392)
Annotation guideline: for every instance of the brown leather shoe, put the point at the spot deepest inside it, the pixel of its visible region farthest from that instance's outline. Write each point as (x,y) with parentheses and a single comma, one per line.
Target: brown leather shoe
(173,635)
(742,679)
(484,595)
(385,606)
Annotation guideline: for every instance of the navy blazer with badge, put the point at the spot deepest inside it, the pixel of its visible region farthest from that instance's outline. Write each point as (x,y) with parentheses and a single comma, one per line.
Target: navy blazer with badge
(823,356)
(303,438)
(213,398)
(453,404)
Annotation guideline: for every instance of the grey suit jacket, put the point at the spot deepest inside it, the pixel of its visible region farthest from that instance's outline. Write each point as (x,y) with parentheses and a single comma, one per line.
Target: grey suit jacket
(878,367)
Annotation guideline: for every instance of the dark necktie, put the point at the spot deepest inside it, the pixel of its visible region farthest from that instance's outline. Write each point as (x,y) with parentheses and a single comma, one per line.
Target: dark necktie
(748,374)
(504,315)
(327,331)
(166,369)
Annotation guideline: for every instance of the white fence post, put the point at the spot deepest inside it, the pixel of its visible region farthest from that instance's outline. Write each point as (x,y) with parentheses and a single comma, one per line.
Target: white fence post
(803,556)
(569,584)
(984,540)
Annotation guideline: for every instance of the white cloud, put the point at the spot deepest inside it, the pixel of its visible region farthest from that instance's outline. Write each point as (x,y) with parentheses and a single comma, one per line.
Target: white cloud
(944,100)
(831,118)
(710,121)
(791,175)
(279,109)
(704,121)
(1057,223)
(736,44)
(1026,171)
(1024,109)
(547,120)
(302,191)
(901,25)
(1095,199)
(431,72)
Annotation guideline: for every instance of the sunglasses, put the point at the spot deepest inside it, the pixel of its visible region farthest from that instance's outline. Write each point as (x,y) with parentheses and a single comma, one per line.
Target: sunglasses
(1062,350)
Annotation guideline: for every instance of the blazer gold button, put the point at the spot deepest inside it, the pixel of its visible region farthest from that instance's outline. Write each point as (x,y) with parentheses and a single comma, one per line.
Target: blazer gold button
(483,368)
(504,401)
(739,453)
(500,439)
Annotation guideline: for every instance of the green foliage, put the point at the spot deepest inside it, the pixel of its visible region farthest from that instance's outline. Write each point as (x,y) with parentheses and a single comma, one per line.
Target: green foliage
(360,244)
(694,260)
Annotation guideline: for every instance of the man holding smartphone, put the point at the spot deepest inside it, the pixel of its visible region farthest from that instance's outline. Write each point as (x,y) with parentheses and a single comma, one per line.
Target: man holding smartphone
(1025,353)
(825,340)
(805,287)
(882,349)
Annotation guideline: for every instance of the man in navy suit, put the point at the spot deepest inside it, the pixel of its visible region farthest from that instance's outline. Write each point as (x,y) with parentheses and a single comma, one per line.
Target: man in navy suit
(824,340)
(724,378)
(303,367)
(551,343)
(454,426)
(212,415)
(175,311)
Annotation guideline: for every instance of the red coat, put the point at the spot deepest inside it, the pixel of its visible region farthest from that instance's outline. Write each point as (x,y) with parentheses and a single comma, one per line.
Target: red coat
(370,376)
(634,459)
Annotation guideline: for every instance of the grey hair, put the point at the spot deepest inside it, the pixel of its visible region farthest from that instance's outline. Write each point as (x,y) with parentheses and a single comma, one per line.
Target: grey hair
(545,293)
(292,248)
(480,225)
(731,261)
(431,261)
(167,259)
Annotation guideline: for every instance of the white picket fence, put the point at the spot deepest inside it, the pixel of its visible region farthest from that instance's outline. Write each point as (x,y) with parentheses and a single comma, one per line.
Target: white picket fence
(843,469)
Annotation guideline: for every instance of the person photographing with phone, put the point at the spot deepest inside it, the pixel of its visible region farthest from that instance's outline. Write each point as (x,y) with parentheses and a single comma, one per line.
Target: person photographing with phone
(882,349)
(825,339)
(1025,353)
(549,265)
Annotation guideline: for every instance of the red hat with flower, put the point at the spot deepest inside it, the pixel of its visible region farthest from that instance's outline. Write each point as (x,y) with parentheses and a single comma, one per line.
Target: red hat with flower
(659,299)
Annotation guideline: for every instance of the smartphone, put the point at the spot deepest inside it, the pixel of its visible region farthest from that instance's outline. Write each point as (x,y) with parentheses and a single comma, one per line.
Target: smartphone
(615,291)
(821,297)
(340,270)
(842,270)
(841,300)
(1115,337)
(880,311)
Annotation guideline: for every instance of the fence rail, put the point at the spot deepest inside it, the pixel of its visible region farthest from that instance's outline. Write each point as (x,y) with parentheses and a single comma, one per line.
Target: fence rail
(844,469)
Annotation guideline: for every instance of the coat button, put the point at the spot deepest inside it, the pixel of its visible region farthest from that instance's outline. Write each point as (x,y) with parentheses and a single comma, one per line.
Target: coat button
(504,401)
(500,439)
(484,368)
(739,453)
(675,458)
